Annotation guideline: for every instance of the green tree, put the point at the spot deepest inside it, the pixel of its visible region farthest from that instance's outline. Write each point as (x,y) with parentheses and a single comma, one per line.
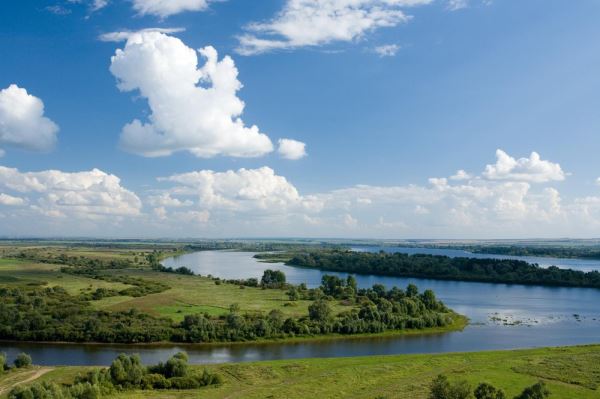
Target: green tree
(273,278)
(488,391)
(319,310)
(351,282)
(441,388)
(536,391)
(412,290)
(22,360)
(293,294)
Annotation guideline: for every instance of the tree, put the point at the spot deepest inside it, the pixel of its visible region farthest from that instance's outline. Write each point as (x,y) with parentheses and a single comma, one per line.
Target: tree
(351,282)
(412,290)
(319,310)
(293,294)
(488,391)
(2,362)
(441,388)
(536,391)
(22,360)
(273,278)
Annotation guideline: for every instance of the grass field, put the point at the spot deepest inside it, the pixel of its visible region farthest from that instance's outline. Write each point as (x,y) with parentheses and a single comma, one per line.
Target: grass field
(570,373)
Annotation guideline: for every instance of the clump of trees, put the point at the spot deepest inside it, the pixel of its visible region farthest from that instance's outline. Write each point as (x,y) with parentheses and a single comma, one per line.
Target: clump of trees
(125,373)
(445,268)
(22,360)
(51,314)
(273,279)
(442,388)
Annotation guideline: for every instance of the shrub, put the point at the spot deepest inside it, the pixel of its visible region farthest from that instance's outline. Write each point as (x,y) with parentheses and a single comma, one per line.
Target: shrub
(536,391)
(488,391)
(22,360)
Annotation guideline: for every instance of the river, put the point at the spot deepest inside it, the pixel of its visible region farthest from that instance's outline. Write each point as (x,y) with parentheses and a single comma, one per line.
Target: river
(502,317)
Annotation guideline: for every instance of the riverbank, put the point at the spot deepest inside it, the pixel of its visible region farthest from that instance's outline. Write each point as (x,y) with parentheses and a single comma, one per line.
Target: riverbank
(569,372)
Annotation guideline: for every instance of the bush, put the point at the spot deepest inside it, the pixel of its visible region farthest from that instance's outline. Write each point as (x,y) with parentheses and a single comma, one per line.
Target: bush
(441,388)
(536,391)
(22,360)
(488,391)
(2,362)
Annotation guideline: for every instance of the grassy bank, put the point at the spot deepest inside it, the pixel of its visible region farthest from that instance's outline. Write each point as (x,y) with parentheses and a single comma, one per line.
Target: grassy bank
(570,373)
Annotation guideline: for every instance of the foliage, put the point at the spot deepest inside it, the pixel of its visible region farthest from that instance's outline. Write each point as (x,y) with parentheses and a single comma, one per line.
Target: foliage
(125,373)
(441,388)
(536,391)
(443,267)
(273,278)
(488,391)
(22,360)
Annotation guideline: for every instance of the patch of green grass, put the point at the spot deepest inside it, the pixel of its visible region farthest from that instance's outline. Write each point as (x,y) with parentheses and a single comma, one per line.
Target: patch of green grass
(22,272)
(178,311)
(399,376)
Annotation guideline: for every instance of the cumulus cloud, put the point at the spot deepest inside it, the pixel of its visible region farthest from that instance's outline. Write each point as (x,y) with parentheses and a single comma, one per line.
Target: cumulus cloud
(387,50)
(193,109)
(165,8)
(9,200)
(22,121)
(532,169)
(291,149)
(461,175)
(88,195)
(304,23)
(241,190)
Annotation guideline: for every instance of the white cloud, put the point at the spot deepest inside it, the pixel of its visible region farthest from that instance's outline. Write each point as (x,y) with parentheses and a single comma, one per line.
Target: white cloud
(99,4)
(461,175)
(22,121)
(304,23)
(165,8)
(9,200)
(119,36)
(241,190)
(193,109)
(349,221)
(532,169)
(387,50)
(455,5)
(86,195)
(291,149)
(165,200)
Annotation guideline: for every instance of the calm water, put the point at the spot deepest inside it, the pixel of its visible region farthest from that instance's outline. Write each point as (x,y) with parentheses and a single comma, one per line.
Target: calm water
(502,316)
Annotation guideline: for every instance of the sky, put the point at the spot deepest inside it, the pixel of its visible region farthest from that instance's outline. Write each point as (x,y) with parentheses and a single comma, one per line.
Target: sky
(300,118)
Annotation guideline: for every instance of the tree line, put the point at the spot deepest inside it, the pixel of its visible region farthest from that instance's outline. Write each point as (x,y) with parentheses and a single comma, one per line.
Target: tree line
(507,271)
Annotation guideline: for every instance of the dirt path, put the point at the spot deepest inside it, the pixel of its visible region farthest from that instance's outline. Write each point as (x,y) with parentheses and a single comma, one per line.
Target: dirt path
(32,376)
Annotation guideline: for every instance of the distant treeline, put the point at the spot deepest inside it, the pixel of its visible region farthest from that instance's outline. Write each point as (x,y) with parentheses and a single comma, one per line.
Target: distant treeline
(555,252)
(444,268)
(51,314)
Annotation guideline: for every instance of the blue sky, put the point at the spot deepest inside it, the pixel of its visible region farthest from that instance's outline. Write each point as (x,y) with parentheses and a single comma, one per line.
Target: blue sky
(464,80)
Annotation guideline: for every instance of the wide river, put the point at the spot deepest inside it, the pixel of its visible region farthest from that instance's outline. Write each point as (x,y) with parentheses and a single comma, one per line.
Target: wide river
(502,317)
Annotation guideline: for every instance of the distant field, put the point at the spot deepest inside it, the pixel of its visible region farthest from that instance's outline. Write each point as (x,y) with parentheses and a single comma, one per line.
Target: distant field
(570,373)
(188,294)
(22,272)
